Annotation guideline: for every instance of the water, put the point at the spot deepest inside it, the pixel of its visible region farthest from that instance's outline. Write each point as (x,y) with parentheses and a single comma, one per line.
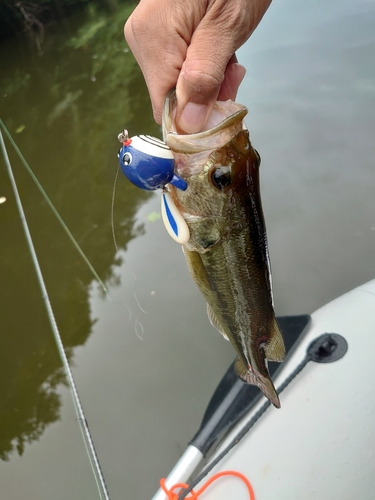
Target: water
(144,379)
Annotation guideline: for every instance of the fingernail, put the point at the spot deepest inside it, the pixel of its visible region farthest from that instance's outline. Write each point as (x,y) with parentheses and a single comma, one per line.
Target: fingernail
(193,117)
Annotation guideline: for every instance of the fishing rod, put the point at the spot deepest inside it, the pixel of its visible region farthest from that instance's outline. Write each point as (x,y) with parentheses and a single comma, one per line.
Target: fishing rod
(52,207)
(87,438)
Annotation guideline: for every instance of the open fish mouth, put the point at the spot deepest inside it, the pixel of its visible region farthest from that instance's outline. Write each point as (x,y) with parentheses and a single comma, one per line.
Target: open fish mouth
(225,122)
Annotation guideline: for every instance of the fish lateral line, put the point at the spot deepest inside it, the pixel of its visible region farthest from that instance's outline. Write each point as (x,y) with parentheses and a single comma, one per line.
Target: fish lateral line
(116,245)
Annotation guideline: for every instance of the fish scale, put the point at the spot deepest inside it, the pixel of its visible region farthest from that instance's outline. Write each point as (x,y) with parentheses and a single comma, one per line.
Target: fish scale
(227,253)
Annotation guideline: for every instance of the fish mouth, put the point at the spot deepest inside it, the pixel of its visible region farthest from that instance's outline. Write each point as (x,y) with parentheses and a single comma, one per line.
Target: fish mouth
(227,117)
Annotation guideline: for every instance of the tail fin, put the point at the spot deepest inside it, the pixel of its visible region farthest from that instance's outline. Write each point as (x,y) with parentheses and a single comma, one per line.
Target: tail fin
(264,383)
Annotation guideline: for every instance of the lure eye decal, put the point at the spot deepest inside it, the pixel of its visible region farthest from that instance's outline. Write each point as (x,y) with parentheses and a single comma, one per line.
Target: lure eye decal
(127,159)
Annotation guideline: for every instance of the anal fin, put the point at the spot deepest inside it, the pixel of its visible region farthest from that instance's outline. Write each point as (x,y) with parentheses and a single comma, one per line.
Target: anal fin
(215,322)
(275,349)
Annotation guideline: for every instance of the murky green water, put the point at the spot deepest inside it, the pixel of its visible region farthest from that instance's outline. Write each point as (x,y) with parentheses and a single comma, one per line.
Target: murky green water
(144,379)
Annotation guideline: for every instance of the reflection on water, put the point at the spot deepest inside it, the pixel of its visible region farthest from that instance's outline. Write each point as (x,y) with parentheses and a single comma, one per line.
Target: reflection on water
(64,110)
(310,94)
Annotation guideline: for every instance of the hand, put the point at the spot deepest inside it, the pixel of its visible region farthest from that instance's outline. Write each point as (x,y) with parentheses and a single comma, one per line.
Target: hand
(190,45)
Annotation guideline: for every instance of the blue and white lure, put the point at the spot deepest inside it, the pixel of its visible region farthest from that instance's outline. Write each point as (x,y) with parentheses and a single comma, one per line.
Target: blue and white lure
(149,164)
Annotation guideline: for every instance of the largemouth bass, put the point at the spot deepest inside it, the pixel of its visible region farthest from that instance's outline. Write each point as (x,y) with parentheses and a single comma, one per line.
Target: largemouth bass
(227,252)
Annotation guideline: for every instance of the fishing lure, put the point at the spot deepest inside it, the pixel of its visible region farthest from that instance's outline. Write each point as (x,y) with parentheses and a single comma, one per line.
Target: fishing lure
(149,164)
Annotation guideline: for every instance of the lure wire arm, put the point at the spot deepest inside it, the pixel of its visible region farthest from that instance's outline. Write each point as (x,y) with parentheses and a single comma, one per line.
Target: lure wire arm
(123,136)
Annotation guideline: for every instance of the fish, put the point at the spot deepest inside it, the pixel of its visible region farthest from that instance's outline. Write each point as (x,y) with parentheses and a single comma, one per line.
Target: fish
(227,251)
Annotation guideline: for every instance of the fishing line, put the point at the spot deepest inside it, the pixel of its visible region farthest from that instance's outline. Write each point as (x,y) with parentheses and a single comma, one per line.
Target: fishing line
(248,426)
(112,213)
(210,465)
(139,330)
(59,218)
(327,348)
(115,240)
(91,452)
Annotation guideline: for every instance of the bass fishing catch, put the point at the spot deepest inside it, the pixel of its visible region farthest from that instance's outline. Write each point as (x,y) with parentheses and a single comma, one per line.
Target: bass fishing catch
(227,252)
(213,208)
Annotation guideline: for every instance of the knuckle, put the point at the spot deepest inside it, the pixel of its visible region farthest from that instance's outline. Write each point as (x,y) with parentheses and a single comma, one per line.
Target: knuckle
(128,32)
(202,82)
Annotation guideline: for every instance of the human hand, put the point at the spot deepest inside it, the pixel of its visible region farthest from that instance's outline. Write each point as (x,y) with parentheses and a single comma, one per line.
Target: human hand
(190,45)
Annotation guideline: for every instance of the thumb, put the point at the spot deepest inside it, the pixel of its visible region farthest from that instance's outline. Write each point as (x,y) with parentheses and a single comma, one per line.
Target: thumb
(193,117)
(210,70)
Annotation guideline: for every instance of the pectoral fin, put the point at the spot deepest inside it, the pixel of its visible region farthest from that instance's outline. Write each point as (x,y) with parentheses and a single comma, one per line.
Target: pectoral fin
(197,270)
(215,322)
(275,349)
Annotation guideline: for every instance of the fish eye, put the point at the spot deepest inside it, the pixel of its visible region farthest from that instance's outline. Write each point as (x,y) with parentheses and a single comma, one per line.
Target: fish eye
(127,159)
(221,177)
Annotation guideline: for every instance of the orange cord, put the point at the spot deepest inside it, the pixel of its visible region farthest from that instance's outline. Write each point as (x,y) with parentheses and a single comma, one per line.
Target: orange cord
(194,495)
